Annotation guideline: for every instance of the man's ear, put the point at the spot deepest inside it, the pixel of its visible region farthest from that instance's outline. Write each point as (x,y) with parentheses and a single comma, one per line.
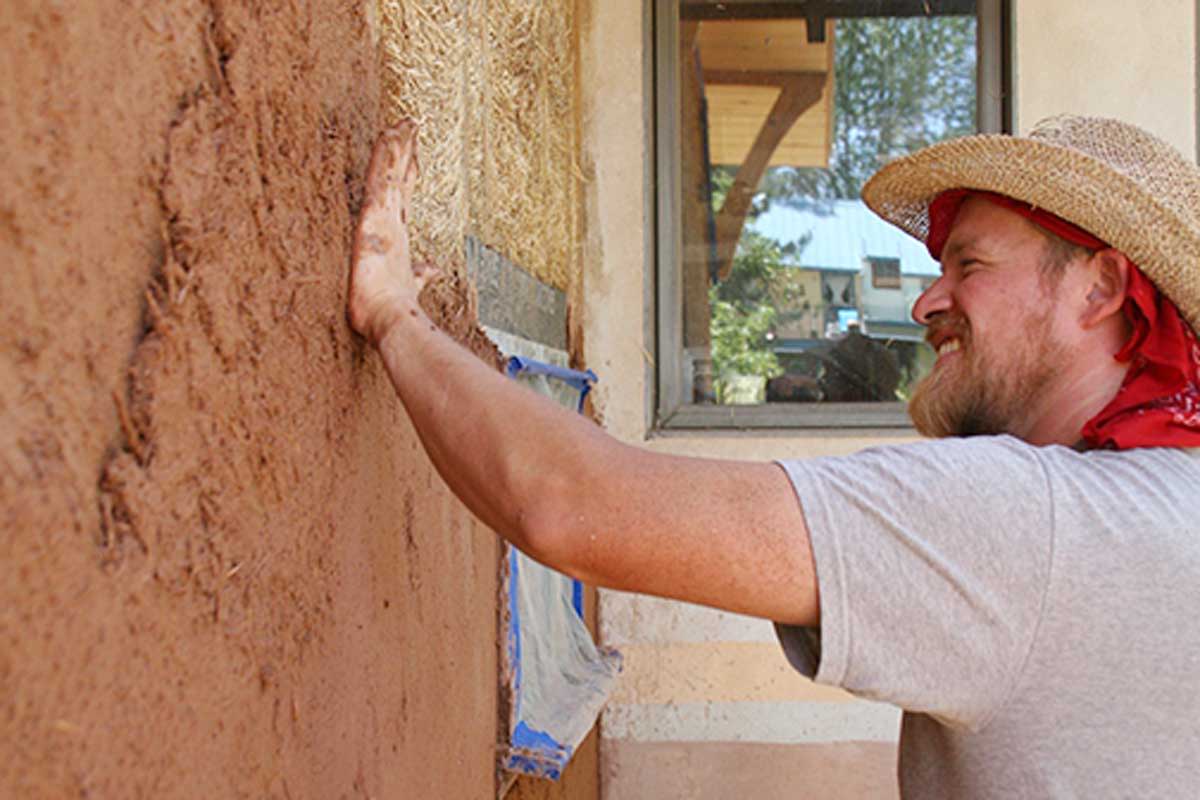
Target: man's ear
(1110,279)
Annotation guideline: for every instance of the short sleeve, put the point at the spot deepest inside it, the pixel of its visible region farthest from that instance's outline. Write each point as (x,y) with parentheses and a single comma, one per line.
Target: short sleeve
(932,561)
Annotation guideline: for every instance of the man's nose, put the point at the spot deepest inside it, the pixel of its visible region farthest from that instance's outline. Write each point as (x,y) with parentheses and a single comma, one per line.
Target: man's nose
(933,301)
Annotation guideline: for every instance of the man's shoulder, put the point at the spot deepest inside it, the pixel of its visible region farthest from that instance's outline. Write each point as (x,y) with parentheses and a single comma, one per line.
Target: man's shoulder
(1149,458)
(979,449)
(1005,445)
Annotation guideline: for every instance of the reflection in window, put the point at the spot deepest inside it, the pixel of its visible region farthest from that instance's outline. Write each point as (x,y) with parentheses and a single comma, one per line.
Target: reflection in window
(885,272)
(793,291)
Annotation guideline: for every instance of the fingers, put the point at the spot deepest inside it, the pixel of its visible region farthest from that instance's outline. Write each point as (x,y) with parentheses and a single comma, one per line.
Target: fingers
(409,184)
(390,183)
(383,280)
(412,170)
(392,174)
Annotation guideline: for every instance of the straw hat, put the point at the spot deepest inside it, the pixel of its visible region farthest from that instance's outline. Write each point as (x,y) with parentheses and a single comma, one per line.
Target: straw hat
(1110,178)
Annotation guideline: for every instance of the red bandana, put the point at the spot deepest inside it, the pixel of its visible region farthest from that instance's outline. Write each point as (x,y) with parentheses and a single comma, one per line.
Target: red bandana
(1158,404)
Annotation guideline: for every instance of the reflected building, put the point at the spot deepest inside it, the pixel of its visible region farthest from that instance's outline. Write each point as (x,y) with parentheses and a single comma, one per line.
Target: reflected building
(847,323)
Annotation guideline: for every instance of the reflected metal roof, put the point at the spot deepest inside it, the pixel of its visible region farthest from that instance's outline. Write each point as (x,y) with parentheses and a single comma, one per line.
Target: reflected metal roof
(844,233)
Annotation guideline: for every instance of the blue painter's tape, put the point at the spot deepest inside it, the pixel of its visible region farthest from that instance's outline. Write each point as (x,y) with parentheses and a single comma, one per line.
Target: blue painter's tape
(581,381)
(514,629)
(536,753)
(525,736)
(577,597)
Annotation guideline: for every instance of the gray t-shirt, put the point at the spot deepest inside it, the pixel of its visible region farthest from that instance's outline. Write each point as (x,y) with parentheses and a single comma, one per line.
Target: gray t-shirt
(1033,609)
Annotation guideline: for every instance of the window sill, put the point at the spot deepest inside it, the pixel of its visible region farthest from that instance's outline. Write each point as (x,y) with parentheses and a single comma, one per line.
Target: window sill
(882,419)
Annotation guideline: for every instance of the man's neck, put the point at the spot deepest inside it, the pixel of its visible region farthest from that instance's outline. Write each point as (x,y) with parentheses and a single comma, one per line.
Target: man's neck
(1076,396)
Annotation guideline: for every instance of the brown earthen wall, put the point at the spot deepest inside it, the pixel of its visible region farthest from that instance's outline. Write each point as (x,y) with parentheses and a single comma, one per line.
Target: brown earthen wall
(227,570)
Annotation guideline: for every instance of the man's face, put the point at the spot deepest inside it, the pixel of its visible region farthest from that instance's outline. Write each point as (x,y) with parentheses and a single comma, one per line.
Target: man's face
(990,317)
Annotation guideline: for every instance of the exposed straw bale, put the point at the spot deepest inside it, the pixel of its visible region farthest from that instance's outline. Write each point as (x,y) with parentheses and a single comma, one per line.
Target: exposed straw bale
(492,83)
(424,46)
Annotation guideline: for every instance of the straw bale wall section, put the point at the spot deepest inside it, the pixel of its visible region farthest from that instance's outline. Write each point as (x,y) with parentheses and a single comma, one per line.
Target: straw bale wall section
(492,84)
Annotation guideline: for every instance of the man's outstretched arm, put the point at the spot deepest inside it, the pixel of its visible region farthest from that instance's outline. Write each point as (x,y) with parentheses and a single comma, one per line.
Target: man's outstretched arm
(727,534)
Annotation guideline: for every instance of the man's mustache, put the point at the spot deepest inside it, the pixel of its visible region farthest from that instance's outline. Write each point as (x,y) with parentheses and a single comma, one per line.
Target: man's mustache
(943,327)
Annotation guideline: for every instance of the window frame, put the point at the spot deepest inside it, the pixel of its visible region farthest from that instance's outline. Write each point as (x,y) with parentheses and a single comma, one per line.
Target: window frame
(673,409)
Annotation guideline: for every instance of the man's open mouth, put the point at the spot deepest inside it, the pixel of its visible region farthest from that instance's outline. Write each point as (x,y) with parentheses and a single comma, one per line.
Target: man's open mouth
(948,346)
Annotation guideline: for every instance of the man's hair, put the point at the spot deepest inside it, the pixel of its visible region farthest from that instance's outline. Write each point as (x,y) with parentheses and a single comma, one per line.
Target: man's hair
(1058,253)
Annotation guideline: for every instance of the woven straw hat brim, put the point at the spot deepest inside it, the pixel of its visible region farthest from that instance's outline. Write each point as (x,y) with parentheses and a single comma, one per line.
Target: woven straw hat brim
(1062,180)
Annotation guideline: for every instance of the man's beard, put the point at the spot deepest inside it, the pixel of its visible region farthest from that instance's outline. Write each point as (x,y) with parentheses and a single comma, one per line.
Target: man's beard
(976,398)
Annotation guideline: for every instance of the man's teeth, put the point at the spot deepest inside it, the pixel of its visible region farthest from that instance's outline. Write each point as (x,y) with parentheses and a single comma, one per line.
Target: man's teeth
(948,346)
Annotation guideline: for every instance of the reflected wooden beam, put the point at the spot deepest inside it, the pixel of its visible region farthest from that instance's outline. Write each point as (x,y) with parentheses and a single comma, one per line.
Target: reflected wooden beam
(779,78)
(816,12)
(798,91)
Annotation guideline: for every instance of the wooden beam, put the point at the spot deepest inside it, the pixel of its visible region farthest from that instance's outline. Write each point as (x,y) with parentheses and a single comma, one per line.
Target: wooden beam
(795,97)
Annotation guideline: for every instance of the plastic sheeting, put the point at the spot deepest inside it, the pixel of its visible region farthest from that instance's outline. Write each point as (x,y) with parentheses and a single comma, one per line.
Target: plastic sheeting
(558,680)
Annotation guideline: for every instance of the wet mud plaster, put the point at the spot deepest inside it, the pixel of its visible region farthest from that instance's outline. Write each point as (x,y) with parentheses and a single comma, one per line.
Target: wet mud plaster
(229,570)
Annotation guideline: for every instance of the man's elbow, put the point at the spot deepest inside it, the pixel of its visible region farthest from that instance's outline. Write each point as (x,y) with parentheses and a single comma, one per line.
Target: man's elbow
(553,529)
(579,520)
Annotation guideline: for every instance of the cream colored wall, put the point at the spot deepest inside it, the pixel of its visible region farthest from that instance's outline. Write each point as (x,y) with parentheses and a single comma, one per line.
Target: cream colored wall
(1134,61)
(707,697)
(616,162)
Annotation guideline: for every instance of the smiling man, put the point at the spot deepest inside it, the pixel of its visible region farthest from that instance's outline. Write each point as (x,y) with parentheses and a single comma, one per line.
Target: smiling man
(1024,585)
(1011,356)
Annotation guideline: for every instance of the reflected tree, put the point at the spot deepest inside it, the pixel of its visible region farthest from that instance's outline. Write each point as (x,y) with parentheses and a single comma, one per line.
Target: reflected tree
(901,84)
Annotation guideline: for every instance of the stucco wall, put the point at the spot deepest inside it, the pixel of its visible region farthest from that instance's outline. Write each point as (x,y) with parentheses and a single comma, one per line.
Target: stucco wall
(1134,61)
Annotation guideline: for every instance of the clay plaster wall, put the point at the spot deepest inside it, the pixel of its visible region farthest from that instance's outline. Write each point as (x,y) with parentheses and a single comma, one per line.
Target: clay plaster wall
(227,569)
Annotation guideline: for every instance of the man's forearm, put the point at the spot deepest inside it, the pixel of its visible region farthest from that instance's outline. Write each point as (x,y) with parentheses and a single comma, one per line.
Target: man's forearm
(510,454)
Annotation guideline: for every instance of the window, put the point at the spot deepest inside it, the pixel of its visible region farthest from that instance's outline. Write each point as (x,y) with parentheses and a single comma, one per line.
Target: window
(885,272)
(783,301)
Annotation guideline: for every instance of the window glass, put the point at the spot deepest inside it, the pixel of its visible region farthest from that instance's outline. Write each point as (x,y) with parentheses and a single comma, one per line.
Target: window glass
(792,291)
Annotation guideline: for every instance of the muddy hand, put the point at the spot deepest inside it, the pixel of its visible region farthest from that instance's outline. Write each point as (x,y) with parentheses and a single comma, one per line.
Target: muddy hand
(384,282)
